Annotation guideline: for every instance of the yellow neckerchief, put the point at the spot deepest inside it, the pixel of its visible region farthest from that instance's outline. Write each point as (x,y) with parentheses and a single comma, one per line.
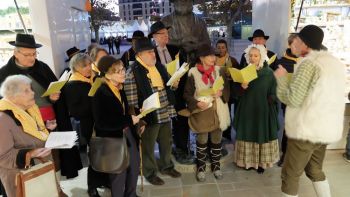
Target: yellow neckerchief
(116,92)
(221,61)
(31,120)
(94,68)
(295,59)
(153,74)
(79,77)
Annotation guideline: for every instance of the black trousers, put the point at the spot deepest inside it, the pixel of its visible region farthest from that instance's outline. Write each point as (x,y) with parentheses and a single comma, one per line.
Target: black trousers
(124,184)
(181,133)
(2,190)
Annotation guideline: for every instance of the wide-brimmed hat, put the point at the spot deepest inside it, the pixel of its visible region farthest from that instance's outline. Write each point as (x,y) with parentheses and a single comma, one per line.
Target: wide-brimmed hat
(157,26)
(72,51)
(205,50)
(258,33)
(143,44)
(137,34)
(312,36)
(26,41)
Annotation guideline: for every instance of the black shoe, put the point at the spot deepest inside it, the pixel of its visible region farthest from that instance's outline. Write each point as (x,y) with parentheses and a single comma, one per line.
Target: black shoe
(184,159)
(93,192)
(260,170)
(171,172)
(280,162)
(224,152)
(155,180)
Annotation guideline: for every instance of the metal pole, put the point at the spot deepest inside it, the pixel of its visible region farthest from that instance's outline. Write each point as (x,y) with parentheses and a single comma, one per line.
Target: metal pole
(301,7)
(20,17)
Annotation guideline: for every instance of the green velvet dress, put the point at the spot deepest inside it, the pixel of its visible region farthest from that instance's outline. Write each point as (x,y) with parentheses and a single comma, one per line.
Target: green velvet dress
(256,122)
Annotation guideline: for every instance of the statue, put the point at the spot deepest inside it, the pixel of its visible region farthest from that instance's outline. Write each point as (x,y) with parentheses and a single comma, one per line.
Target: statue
(187,30)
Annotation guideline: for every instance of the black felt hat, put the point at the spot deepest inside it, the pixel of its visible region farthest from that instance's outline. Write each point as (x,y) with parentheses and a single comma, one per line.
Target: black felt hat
(105,63)
(205,50)
(156,27)
(137,34)
(143,44)
(72,51)
(258,33)
(312,36)
(26,41)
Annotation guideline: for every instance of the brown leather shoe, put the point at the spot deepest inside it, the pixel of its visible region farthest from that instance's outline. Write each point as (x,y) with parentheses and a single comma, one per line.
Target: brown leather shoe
(171,172)
(155,180)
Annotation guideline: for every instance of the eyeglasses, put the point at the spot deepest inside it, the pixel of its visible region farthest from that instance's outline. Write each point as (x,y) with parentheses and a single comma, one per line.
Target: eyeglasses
(28,54)
(119,71)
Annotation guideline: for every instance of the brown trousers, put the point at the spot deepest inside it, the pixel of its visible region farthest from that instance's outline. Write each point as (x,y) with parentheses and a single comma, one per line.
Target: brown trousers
(302,156)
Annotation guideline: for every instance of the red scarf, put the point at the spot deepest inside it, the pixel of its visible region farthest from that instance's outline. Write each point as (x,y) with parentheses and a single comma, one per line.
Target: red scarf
(206,74)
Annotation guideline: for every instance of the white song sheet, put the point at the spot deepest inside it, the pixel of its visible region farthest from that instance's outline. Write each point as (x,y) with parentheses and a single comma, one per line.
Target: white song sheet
(61,140)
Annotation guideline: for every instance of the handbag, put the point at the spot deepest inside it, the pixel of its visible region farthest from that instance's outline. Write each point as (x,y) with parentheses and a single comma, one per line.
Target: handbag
(37,181)
(109,155)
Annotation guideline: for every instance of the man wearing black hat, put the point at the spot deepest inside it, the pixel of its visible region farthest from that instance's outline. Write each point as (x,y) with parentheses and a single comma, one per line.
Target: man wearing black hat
(70,53)
(129,56)
(53,107)
(166,53)
(259,37)
(145,77)
(315,106)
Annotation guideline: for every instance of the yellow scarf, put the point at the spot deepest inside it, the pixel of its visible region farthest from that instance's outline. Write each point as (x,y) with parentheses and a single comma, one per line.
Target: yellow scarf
(79,77)
(115,91)
(153,74)
(220,61)
(31,120)
(94,68)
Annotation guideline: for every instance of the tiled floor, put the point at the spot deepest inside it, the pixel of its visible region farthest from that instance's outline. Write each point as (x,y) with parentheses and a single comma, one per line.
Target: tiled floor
(236,182)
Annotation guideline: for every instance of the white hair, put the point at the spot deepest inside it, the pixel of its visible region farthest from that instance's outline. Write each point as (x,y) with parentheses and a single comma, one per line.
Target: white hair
(79,59)
(11,86)
(263,54)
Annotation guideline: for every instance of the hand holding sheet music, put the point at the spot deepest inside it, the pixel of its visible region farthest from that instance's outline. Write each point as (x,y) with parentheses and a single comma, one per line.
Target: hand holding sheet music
(150,104)
(178,74)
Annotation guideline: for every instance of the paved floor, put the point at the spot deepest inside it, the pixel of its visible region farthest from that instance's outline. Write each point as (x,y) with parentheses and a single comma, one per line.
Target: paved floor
(236,182)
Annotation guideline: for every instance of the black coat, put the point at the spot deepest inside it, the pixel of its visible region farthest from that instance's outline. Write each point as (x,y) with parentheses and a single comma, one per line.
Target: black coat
(79,105)
(108,113)
(129,55)
(288,61)
(70,161)
(173,50)
(180,102)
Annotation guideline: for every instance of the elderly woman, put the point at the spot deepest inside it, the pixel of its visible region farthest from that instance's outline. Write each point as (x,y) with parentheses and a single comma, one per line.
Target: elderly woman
(96,54)
(110,110)
(256,116)
(23,132)
(79,106)
(209,113)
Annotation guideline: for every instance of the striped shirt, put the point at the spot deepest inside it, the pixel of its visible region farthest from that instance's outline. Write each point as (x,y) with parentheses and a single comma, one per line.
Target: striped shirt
(294,92)
(166,111)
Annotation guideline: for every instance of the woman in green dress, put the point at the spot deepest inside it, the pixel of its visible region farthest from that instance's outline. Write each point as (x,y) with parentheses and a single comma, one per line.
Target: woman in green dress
(256,118)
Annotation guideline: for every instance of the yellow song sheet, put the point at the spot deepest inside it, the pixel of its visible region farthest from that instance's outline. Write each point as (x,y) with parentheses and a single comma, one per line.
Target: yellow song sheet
(244,75)
(97,83)
(172,66)
(218,85)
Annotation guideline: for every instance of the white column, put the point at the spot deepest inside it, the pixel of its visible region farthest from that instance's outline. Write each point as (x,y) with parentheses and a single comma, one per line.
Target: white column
(273,16)
(59,25)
